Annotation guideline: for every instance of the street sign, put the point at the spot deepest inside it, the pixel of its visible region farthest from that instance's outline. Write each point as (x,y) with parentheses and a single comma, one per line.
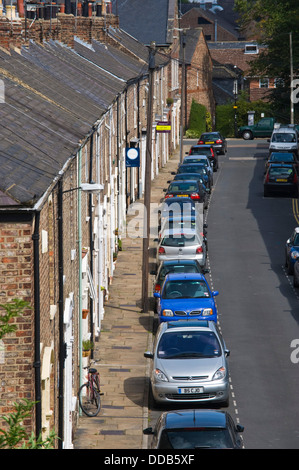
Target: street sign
(132,157)
(163,126)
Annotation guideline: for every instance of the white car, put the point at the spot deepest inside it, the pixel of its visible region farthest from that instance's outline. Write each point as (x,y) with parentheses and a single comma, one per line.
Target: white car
(187,244)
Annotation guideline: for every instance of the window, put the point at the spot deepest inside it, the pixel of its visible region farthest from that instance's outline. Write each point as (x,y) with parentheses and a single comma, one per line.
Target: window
(251,49)
(264,83)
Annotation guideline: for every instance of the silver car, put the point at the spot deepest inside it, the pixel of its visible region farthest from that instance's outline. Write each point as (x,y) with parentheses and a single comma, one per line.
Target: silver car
(189,363)
(186,244)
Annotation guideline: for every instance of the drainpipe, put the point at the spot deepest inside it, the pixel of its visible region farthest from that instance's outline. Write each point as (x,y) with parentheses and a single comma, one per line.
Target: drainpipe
(80,267)
(91,241)
(37,360)
(62,345)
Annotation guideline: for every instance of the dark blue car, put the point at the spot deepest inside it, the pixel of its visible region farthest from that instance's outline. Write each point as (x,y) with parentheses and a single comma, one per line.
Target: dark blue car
(186,296)
(292,250)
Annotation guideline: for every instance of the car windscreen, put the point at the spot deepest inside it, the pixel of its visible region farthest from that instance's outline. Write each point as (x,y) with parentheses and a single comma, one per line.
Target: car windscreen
(197,438)
(283,137)
(188,344)
(186,289)
(188,176)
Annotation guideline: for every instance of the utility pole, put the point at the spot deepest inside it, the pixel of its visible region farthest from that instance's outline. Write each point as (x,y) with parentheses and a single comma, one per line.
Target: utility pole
(183,84)
(147,182)
(291,78)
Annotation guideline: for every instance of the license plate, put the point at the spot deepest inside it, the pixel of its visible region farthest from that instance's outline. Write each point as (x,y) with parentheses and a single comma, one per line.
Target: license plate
(281,180)
(210,142)
(183,195)
(185,391)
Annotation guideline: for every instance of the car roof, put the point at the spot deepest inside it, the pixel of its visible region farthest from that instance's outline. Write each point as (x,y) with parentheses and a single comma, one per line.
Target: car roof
(179,261)
(195,418)
(285,129)
(196,175)
(184,181)
(177,199)
(201,145)
(281,165)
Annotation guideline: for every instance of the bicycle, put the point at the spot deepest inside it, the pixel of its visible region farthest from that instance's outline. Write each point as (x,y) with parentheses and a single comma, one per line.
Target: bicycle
(90,394)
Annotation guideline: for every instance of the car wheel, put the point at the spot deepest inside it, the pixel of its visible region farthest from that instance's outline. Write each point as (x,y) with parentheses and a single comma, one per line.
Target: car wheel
(290,269)
(247,135)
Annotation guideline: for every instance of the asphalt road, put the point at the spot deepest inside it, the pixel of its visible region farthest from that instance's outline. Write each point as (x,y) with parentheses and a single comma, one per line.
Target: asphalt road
(257,305)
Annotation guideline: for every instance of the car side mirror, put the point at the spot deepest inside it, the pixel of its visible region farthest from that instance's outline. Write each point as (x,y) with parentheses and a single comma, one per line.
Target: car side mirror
(239,428)
(164,190)
(148,355)
(215,292)
(148,431)
(227,352)
(173,173)
(157,295)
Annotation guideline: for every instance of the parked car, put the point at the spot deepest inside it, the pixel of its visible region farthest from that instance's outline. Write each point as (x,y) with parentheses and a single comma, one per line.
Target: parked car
(285,139)
(292,250)
(183,222)
(198,168)
(206,150)
(186,295)
(176,244)
(177,207)
(216,139)
(188,188)
(175,266)
(191,176)
(281,178)
(199,159)
(189,363)
(196,429)
(282,157)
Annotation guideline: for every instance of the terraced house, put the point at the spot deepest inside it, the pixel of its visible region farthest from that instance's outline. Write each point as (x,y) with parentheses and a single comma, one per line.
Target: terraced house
(75,98)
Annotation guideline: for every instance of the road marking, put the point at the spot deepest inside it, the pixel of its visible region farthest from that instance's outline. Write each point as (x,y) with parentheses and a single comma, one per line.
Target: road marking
(295,210)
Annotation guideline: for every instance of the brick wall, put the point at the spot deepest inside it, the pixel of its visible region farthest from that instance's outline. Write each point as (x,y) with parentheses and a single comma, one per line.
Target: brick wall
(63,28)
(16,281)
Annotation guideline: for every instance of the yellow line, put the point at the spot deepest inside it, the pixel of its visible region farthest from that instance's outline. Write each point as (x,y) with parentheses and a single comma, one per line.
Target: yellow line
(295,209)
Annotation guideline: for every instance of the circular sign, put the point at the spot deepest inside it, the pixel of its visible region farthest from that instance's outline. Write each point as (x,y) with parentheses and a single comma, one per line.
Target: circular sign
(132,153)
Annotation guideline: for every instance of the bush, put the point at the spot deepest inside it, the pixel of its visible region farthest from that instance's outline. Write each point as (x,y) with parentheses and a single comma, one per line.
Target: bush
(197,120)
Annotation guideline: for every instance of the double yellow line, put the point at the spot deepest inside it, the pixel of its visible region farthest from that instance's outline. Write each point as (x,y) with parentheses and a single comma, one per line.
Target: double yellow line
(295,210)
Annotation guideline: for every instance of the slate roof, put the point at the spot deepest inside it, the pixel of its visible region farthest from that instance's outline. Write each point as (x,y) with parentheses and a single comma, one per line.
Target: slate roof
(53,97)
(146,20)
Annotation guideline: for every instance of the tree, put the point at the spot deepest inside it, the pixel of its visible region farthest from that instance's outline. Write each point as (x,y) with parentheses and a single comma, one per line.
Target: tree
(271,22)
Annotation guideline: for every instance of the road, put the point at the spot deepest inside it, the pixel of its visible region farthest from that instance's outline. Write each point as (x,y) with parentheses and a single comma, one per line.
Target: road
(257,304)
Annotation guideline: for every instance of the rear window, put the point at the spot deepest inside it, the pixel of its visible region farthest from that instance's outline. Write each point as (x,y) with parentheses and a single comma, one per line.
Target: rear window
(190,268)
(196,151)
(281,171)
(283,157)
(178,240)
(182,187)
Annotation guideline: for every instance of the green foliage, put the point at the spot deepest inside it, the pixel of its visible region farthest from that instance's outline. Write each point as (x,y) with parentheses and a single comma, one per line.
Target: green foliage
(14,309)
(271,23)
(16,437)
(225,114)
(197,120)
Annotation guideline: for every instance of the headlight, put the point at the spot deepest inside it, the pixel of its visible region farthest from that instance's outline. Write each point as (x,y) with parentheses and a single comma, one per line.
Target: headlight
(219,374)
(167,313)
(294,254)
(160,376)
(206,312)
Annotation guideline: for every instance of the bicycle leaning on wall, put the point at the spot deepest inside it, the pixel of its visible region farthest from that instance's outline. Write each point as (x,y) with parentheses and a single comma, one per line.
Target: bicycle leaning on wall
(90,393)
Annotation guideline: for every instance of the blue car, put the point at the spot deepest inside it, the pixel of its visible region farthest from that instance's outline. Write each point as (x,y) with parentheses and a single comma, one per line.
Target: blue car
(292,250)
(186,296)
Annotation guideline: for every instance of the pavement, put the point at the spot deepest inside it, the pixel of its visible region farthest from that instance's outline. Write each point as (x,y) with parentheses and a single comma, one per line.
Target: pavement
(126,333)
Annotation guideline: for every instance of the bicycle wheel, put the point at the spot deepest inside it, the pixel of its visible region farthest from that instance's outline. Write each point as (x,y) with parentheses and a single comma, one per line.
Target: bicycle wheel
(89,400)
